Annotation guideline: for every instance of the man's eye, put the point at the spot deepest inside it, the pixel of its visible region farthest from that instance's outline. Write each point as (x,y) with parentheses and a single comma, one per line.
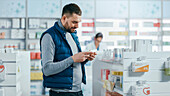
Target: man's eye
(74,22)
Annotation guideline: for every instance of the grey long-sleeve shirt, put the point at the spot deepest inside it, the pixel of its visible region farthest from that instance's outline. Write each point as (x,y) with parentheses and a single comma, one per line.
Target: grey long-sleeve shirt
(50,67)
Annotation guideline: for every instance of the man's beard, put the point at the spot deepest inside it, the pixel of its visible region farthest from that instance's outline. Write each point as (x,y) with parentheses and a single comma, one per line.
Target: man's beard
(69,29)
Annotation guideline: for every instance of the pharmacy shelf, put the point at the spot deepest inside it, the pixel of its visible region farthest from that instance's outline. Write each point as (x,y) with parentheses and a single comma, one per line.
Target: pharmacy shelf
(112,62)
(35,59)
(156,61)
(12,28)
(32,50)
(11,39)
(117,66)
(8,25)
(34,39)
(36,28)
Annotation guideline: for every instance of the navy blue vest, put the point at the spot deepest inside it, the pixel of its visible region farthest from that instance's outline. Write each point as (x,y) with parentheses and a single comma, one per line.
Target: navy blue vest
(62,80)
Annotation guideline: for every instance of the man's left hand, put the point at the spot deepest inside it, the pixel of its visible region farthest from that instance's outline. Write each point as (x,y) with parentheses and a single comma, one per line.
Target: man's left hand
(91,56)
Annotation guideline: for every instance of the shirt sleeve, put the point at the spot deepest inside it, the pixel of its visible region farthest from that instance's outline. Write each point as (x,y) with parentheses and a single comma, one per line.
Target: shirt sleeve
(48,51)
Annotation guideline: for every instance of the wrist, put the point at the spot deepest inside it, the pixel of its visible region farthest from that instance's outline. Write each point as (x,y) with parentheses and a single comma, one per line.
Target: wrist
(73,58)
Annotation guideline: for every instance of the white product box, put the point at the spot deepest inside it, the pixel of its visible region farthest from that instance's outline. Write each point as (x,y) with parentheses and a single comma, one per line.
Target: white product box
(4,23)
(34,23)
(22,23)
(140,45)
(36,88)
(21,45)
(37,46)
(15,23)
(18,34)
(8,24)
(43,25)
(31,46)
(32,35)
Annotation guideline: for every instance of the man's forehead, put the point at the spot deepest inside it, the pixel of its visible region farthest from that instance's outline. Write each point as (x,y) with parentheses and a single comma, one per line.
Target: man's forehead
(76,17)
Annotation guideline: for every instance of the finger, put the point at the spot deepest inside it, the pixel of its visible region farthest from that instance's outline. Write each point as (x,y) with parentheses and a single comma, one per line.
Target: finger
(92,55)
(87,56)
(87,53)
(95,53)
(91,58)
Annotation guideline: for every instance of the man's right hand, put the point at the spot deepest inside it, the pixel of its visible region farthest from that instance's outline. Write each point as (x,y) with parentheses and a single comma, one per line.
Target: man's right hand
(81,56)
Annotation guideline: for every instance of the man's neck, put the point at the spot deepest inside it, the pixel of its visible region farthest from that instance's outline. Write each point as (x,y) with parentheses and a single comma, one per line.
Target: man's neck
(60,24)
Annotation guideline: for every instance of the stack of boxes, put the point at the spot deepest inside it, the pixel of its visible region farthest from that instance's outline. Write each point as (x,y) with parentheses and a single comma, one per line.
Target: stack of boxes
(140,45)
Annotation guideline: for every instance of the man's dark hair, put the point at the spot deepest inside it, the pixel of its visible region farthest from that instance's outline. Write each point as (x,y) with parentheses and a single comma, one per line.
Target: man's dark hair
(71,8)
(99,35)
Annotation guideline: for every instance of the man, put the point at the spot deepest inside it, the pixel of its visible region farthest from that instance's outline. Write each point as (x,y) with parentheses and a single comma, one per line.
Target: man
(62,59)
(96,45)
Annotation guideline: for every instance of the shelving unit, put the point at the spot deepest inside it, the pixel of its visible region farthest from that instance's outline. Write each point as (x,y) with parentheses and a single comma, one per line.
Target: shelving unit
(15,75)
(156,62)
(12,29)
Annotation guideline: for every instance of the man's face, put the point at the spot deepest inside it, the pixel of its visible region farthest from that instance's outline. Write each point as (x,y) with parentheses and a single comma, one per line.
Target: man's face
(98,40)
(71,22)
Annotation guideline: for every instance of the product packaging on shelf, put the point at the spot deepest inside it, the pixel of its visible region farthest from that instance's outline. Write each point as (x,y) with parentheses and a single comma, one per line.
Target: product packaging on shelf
(108,85)
(2,71)
(167,68)
(118,54)
(107,73)
(38,55)
(33,55)
(22,23)
(102,74)
(141,89)
(38,35)
(31,35)
(140,66)
(2,35)
(15,23)
(140,45)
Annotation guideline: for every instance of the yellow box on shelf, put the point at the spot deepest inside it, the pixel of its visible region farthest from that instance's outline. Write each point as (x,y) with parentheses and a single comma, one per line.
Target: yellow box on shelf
(119,33)
(119,73)
(108,85)
(36,76)
(114,72)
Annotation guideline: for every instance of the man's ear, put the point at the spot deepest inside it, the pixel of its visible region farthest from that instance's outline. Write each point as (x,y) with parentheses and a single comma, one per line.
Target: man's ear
(64,17)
